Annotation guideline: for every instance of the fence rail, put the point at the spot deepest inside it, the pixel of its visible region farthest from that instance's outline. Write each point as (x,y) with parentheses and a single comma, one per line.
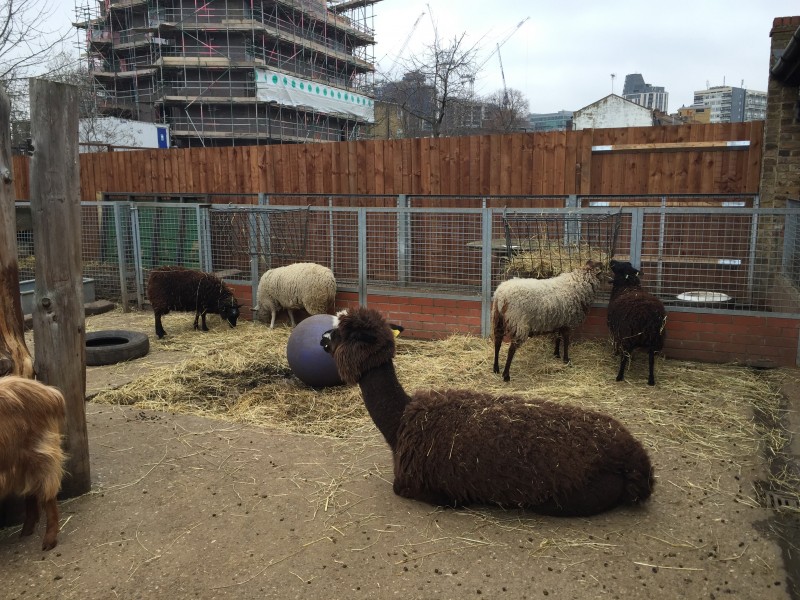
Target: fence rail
(731,258)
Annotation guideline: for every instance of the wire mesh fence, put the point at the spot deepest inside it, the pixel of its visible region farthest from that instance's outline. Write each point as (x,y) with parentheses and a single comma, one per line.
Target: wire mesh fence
(708,257)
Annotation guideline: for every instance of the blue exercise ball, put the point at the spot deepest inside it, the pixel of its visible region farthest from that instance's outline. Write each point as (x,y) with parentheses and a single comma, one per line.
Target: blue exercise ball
(308,361)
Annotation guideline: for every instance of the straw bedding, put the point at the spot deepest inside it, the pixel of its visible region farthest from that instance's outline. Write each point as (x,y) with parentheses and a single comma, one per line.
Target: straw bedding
(698,414)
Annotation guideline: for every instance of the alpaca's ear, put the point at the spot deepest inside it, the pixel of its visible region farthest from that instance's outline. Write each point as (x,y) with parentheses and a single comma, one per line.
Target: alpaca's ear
(366,337)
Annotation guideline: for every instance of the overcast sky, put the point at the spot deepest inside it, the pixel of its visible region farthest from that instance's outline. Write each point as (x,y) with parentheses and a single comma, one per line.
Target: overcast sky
(563,56)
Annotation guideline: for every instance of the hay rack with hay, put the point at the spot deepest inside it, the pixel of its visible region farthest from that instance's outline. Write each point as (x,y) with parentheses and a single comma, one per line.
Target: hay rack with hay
(539,246)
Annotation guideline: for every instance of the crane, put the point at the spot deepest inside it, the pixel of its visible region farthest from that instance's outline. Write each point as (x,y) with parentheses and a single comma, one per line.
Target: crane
(404,44)
(503,74)
(503,41)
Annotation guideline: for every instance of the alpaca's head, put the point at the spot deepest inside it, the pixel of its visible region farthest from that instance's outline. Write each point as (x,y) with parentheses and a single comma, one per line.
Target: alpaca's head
(360,341)
(624,274)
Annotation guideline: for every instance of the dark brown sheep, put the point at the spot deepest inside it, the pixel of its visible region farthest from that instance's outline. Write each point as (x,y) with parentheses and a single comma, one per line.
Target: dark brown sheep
(636,318)
(457,447)
(31,458)
(186,290)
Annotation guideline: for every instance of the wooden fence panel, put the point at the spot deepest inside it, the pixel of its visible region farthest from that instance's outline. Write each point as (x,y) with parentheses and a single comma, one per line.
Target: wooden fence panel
(555,163)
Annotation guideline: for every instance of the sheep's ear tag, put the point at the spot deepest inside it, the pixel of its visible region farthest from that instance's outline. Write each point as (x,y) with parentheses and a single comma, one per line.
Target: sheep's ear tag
(396,329)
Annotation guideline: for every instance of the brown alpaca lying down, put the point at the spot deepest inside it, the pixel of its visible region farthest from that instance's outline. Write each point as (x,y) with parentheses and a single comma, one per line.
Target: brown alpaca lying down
(457,447)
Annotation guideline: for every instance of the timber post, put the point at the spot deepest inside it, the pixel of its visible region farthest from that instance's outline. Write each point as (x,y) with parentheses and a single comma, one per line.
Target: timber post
(14,356)
(58,315)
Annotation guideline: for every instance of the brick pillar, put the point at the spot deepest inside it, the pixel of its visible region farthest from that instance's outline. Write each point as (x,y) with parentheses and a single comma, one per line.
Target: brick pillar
(780,172)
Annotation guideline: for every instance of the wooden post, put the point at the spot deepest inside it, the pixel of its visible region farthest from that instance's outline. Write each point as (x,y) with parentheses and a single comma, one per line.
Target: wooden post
(58,319)
(14,356)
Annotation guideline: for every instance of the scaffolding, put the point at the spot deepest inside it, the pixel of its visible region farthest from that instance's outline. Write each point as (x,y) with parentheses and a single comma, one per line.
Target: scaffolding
(259,72)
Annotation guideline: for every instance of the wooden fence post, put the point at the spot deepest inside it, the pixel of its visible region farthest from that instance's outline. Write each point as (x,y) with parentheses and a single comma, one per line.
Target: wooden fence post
(58,318)
(14,356)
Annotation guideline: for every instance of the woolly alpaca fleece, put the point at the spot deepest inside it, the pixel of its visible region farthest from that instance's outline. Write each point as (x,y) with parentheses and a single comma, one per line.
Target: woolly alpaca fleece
(457,447)
(636,318)
(31,459)
(526,307)
(309,286)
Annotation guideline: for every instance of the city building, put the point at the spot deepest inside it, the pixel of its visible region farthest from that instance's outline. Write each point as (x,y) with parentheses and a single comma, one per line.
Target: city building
(644,94)
(557,121)
(221,73)
(694,114)
(612,111)
(732,104)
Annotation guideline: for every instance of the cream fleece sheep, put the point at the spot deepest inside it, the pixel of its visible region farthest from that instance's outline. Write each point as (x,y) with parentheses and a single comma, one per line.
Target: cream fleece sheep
(526,307)
(309,286)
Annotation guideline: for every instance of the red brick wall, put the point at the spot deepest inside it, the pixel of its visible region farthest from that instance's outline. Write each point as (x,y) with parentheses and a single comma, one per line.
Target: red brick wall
(759,341)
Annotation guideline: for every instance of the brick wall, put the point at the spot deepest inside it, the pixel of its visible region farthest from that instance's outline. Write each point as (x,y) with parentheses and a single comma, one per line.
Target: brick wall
(759,341)
(780,174)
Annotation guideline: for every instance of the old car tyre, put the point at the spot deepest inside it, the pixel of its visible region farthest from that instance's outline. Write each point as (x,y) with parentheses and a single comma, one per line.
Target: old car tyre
(111,346)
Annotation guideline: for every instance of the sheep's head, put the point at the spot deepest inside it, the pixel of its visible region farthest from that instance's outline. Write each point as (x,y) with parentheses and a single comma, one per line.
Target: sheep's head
(229,311)
(624,274)
(360,341)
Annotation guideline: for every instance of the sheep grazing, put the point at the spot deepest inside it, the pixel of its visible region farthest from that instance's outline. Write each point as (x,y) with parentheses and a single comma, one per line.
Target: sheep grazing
(523,308)
(458,447)
(636,318)
(31,459)
(309,286)
(186,290)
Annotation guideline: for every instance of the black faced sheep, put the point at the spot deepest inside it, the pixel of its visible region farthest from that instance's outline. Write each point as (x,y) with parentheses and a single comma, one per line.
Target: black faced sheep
(309,286)
(636,318)
(186,290)
(31,458)
(456,447)
(523,308)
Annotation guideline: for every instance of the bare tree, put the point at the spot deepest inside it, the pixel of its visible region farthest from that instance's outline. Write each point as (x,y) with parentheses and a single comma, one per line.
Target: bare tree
(436,78)
(25,44)
(507,111)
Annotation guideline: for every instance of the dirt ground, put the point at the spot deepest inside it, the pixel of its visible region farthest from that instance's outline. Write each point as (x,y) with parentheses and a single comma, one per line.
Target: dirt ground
(189,507)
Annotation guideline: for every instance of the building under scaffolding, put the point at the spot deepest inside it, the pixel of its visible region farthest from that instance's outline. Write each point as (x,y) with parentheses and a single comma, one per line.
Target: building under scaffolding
(234,72)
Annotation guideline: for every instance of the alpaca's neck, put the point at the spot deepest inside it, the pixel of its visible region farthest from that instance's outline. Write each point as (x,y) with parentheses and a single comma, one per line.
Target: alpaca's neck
(385,400)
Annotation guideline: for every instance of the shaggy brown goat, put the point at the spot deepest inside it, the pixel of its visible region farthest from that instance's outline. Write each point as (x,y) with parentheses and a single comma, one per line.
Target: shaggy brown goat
(636,318)
(456,447)
(31,458)
(181,289)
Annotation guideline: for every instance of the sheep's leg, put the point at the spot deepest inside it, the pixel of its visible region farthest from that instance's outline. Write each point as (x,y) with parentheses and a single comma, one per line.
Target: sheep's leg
(511,351)
(51,533)
(651,379)
(557,351)
(564,333)
(203,319)
(196,318)
(622,364)
(272,323)
(31,515)
(159,327)
(498,341)
(291,316)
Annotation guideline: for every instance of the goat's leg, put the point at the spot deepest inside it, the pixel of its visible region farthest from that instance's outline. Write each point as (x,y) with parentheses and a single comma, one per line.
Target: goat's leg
(51,533)
(651,379)
(511,351)
(564,333)
(31,515)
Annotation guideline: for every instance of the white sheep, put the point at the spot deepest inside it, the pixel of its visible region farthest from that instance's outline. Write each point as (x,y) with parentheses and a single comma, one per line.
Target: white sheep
(523,308)
(309,286)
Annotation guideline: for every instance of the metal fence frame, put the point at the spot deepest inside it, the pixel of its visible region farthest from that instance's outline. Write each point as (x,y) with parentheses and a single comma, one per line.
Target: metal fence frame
(129,229)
